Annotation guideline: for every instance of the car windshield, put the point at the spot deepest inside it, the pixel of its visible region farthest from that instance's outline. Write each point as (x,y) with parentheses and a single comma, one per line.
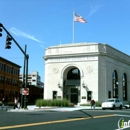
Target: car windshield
(110,100)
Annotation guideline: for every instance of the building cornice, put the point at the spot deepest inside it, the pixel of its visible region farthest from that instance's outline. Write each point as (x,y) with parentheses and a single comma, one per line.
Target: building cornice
(85,49)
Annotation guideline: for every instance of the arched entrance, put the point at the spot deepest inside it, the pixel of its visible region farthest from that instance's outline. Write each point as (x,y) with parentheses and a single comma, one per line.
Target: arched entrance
(71,89)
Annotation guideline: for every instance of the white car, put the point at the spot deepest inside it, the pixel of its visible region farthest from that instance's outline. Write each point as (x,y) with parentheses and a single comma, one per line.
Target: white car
(112,103)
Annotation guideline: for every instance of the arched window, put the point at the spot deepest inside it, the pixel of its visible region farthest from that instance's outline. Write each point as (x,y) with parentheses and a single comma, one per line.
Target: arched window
(115,84)
(124,86)
(73,74)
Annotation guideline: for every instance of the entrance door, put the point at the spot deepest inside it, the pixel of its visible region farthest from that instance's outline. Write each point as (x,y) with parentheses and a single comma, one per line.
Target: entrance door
(74,95)
(54,94)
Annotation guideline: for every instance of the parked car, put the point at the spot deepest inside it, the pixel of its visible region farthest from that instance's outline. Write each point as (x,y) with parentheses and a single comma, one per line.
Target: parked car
(127,106)
(112,103)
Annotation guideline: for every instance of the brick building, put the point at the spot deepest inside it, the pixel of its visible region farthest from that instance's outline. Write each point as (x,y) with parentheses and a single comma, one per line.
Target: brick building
(9,80)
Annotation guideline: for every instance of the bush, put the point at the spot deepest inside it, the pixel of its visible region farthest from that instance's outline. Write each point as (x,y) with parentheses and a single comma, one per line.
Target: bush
(48,102)
(39,102)
(59,102)
(64,102)
(55,102)
(87,104)
(98,104)
(43,103)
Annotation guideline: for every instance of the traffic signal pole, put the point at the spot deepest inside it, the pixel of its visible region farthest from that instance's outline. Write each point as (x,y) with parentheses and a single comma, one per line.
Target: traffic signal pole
(26,57)
(13,39)
(26,78)
(23,84)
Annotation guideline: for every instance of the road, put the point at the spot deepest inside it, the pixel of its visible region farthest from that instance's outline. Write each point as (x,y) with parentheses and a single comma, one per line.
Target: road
(75,120)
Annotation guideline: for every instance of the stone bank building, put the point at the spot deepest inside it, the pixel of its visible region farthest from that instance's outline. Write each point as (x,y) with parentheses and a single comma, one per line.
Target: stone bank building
(84,71)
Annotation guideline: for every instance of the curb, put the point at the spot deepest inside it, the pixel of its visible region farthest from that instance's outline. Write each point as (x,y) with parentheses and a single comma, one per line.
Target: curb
(52,109)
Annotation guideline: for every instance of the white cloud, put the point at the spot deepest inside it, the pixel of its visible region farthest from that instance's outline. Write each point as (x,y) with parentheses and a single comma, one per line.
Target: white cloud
(23,34)
(93,10)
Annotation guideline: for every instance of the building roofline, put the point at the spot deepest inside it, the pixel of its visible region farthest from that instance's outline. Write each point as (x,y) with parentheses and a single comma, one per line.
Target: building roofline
(83,44)
(10,62)
(74,44)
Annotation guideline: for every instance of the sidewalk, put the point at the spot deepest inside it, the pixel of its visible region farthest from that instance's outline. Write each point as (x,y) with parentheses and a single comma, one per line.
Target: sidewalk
(33,108)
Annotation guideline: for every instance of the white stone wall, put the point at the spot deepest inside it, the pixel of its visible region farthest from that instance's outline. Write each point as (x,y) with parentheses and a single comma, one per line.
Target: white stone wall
(96,63)
(54,76)
(107,65)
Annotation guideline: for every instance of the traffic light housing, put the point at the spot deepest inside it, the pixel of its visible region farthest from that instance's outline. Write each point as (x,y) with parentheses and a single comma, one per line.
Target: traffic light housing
(8,42)
(0,30)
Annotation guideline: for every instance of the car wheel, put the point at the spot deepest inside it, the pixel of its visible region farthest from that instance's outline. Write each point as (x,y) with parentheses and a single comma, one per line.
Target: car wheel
(103,108)
(126,107)
(120,107)
(113,107)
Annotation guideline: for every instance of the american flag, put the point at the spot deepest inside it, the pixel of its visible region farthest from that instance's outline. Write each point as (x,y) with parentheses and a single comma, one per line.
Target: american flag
(78,18)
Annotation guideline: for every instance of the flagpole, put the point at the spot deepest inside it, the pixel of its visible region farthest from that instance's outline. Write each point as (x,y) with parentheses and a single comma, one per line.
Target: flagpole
(73,29)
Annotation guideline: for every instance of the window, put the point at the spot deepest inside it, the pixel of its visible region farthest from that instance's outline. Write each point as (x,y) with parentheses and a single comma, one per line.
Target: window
(89,95)
(2,79)
(15,82)
(2,67)
(124,86)
(109,94)
(8,69)
(16,72)
(73,74)
(115,84)
(8,81)
(1,93)
(20,77)
(54,94)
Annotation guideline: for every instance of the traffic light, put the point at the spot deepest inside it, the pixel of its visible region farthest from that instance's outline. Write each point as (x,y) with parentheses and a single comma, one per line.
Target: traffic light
(0,30)
(8,42)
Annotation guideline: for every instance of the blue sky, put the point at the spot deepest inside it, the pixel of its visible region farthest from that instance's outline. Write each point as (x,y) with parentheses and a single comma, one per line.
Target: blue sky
(43,23)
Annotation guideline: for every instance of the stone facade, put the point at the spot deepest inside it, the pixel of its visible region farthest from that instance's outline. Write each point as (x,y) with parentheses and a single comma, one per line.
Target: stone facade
(96,63)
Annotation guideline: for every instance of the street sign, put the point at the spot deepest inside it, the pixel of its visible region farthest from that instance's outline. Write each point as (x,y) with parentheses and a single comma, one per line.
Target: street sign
(25,91)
